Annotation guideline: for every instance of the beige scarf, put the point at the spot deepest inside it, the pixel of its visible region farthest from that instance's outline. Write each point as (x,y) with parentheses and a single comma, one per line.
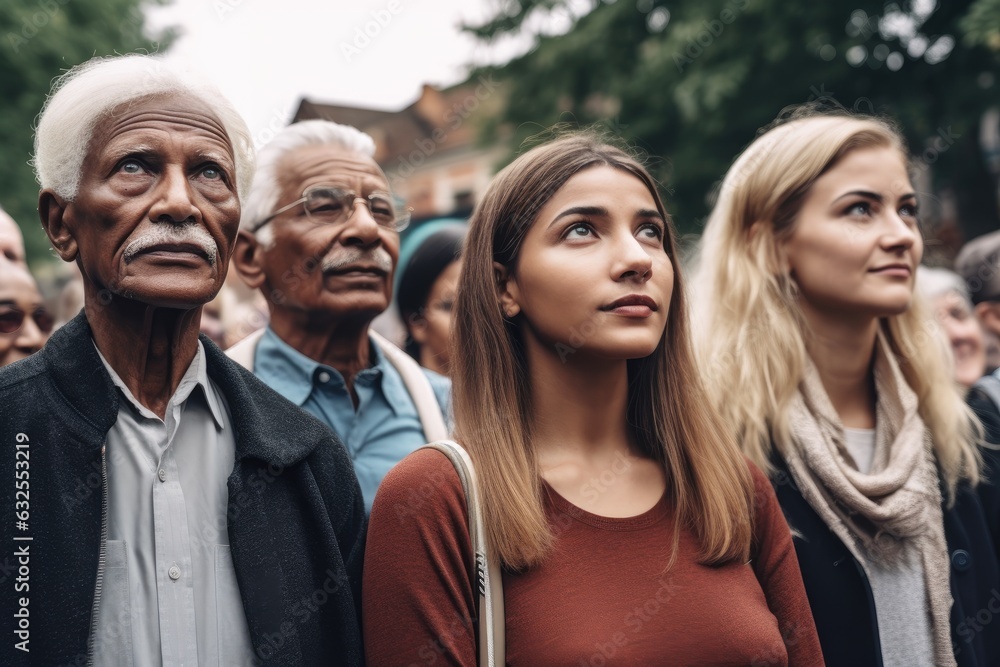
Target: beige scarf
(898,502)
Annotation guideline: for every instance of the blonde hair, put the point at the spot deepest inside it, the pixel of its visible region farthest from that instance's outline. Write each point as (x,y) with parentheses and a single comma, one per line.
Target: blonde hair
(710,487)
(751,333)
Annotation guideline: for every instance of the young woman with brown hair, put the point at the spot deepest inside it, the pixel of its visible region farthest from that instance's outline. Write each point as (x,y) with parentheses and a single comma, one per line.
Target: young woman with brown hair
(630,528)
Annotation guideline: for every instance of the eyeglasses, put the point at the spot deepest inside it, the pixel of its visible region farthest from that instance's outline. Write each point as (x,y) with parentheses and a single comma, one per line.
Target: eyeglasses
(327,204)
(11,319)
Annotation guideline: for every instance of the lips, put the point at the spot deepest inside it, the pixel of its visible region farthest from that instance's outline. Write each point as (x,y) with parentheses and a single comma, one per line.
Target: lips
(893,268)
(190,248)
(357,269)
(631,300)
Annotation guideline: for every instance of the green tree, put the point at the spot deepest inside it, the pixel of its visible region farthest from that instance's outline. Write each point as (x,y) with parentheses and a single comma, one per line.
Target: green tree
(40,40)
(693,81)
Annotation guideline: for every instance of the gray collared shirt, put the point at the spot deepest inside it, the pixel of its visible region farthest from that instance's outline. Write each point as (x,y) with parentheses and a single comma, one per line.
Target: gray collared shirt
(170,595)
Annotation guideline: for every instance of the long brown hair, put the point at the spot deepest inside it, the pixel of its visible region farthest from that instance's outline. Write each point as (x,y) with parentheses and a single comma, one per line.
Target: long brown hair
(709,484)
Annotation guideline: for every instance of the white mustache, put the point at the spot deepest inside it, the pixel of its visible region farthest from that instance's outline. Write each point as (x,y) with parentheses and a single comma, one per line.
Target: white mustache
(379,257)
(192,234)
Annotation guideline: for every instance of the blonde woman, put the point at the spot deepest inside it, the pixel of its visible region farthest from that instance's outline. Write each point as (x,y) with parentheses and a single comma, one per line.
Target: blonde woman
(630,528)
(836,383)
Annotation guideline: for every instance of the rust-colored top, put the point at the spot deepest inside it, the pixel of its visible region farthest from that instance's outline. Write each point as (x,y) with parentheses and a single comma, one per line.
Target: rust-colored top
(601,598)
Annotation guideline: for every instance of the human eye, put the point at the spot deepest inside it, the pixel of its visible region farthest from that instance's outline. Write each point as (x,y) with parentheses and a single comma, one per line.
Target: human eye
(381,208)
(651,230)
(213,172)
(131,166)
(579,230)
(909,210)
(861,209)
(325,203)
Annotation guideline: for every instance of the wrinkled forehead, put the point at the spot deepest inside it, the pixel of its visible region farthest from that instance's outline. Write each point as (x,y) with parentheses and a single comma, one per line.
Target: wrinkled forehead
(133,121)
(328,164)
(17,286)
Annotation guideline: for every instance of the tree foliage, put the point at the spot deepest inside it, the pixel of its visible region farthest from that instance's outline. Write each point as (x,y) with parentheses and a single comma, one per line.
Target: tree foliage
(692,81)
(41,39)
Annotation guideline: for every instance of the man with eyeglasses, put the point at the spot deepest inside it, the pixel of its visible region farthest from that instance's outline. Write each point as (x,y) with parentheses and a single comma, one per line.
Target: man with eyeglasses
(319,237)
(162,505)
(25,324)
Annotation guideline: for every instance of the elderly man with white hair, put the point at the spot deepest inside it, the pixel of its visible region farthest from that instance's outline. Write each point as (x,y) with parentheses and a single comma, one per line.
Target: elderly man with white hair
(320,238)
(166,508)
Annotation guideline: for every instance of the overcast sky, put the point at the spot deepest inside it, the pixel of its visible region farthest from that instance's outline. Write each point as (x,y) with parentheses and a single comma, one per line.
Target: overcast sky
(266,54)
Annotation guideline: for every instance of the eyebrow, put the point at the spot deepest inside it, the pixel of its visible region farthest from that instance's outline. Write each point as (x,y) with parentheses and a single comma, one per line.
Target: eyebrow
(116,154)
(872,195)
(600,211)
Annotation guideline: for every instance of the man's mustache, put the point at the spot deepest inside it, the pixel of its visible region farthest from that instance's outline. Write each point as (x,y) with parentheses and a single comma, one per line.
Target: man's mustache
(378,257)
(189,234)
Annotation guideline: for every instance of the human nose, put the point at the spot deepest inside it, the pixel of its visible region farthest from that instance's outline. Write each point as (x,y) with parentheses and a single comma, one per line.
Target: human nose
(360,227)
(632,261)
(900,234)
(174,199)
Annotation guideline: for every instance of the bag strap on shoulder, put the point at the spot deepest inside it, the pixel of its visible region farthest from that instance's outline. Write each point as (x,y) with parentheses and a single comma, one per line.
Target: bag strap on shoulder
(487,583)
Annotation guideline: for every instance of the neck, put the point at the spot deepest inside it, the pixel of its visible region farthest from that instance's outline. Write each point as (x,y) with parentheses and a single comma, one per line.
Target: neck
(843,349)
(149,347)
(340,343)
(579,407)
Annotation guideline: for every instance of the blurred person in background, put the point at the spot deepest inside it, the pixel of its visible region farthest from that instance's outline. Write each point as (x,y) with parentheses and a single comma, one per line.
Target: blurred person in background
(319,237)
(25,324)
(818,358)
(978,262)
(430,262)
(949,300)
(11,240)
(606,480)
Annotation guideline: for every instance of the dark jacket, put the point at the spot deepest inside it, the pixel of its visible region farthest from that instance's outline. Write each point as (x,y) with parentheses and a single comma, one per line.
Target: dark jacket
(296,517)
(989,491)
(841,597)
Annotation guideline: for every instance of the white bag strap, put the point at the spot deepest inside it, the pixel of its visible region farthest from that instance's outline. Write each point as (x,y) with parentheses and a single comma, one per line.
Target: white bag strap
(418,386)
(487,583)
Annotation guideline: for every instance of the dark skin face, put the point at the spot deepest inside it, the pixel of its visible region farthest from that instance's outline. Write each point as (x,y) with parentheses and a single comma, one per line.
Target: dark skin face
(152,229)
(324,313)
(18,291)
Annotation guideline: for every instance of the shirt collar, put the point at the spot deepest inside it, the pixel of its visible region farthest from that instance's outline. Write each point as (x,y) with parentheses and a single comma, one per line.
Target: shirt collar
(195,376)
(292,374)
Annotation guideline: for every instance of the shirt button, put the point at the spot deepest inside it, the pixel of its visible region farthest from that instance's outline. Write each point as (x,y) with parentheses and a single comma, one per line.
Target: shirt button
(174,572)
(323,377)
(162,474)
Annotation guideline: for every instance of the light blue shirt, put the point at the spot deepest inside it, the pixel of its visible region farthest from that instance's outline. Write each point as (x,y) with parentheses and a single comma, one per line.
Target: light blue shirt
(384,428)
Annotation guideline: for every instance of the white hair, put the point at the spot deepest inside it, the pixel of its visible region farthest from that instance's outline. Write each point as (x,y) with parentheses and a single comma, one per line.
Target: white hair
(264,192)
(933,282)
(89,92)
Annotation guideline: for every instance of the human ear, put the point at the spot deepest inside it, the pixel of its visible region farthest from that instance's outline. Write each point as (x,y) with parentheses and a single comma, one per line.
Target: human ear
(52,212)
(248,259)
(507,292)
(986,312)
